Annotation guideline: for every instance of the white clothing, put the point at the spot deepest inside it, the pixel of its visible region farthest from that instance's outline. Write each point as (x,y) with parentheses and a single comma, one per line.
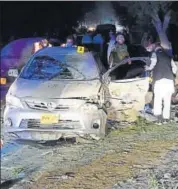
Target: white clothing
(163,90)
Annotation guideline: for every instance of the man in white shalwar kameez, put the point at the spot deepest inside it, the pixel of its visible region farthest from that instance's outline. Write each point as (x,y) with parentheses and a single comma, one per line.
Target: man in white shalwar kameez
(163,68)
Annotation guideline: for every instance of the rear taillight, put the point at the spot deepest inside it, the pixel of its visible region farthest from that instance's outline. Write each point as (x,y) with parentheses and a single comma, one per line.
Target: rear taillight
(3,81)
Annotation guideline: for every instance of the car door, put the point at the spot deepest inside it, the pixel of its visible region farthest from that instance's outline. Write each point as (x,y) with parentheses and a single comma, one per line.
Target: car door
(100,65)
(126,97)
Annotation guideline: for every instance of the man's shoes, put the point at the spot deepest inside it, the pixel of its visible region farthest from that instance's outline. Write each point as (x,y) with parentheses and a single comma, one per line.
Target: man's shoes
(166,121)
(159,120)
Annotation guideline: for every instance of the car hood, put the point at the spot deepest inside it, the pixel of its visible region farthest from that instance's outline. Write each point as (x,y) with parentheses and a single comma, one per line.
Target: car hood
(54,89)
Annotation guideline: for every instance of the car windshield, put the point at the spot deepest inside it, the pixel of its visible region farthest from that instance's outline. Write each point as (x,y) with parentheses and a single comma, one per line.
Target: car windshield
(50,68)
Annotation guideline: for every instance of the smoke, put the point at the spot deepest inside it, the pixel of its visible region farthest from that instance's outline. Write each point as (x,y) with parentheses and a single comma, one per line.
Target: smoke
(103,13)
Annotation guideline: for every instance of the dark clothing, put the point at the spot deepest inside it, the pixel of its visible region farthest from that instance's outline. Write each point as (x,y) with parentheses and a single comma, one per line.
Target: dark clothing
(163,67)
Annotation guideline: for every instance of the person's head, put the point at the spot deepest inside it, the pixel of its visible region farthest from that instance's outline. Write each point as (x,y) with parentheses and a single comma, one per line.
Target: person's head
(120,39)
(149,45)
(69,41)
(44,42)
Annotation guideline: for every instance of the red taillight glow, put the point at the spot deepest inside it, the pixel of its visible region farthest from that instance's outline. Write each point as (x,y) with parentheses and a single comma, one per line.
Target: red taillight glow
(3,81)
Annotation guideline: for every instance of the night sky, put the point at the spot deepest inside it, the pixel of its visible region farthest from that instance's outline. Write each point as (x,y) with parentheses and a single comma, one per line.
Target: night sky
(24,18)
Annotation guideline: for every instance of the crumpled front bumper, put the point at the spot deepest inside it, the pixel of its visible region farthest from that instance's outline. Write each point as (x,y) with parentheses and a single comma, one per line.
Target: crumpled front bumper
(25,123)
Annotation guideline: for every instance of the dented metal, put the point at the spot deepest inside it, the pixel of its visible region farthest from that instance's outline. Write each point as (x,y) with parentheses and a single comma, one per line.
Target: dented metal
(82,106)
(127,98)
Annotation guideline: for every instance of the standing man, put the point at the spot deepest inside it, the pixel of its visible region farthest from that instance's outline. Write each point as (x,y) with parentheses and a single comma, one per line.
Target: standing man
(87,40)
(120,48)
(69,42)
(163,69)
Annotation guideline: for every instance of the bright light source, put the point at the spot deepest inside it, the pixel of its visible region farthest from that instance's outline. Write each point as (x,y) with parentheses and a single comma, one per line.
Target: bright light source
(119,28)
(3,81)
(91,28)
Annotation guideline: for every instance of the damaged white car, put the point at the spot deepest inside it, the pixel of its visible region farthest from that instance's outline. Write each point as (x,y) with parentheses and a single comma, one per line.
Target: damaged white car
(63,93)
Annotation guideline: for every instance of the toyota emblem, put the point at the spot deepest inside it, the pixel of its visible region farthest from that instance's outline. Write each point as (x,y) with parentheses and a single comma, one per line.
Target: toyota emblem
(51,106)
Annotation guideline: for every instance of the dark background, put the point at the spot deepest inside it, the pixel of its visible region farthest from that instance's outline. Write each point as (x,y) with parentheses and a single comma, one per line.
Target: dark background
(23,19)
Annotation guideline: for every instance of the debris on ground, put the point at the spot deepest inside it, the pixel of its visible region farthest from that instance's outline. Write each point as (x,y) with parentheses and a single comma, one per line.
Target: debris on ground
(125,155)
(164,175)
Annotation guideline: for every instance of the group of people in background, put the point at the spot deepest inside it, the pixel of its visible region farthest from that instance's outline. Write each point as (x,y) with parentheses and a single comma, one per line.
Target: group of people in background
(162,66)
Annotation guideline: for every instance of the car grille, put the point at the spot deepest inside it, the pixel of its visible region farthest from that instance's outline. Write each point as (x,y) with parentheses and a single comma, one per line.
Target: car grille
(35,124)
(43,106)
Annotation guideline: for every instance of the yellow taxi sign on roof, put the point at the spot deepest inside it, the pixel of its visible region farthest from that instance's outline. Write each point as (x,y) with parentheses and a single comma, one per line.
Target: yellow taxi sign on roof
(80,49)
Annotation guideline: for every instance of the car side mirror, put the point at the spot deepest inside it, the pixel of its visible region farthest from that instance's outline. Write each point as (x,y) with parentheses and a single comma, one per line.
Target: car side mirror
(13,72)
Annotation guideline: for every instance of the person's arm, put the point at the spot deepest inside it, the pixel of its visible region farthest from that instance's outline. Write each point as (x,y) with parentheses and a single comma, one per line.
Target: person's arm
(153,62)
(174,67)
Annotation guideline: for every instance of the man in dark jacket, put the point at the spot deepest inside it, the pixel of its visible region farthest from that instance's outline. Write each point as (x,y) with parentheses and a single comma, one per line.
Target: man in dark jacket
(163,69)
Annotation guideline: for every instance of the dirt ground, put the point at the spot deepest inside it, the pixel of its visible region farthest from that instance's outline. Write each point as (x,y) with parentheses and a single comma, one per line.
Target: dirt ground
(141,155)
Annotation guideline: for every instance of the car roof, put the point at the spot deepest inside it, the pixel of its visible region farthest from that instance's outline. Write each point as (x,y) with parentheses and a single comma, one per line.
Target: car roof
(58,51)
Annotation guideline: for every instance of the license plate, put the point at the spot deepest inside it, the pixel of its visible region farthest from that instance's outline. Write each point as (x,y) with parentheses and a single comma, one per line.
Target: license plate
(49,119)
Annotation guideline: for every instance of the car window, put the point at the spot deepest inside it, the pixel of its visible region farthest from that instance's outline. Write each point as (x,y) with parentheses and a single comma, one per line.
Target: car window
(62,66)
(45,67)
